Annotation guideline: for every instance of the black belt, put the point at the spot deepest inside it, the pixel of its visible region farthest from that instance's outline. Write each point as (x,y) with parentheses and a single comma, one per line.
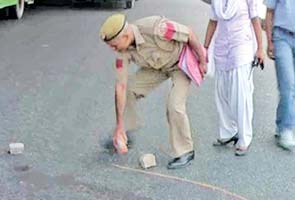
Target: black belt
(287,31)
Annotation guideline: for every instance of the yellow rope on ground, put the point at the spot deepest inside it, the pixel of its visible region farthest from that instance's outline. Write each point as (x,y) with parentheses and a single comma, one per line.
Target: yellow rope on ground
(204,185)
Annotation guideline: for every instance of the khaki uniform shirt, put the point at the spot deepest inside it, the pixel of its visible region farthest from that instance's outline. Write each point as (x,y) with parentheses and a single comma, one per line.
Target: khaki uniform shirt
(159,42)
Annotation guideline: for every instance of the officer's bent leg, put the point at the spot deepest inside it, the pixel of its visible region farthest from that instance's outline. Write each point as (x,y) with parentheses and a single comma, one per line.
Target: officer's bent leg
(139,86)
(179,127)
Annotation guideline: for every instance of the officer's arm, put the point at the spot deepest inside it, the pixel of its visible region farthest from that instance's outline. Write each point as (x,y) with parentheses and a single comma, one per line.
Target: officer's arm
(195,44)
(120,89)
(171,30)
(120,101)
(119,136)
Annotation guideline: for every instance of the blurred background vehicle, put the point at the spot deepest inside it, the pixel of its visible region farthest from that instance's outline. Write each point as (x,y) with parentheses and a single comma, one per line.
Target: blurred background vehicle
(15,8)
(107,3)
(101,3)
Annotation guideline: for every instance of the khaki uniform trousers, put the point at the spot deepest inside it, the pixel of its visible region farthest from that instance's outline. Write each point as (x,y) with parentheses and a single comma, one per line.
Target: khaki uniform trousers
(142,83)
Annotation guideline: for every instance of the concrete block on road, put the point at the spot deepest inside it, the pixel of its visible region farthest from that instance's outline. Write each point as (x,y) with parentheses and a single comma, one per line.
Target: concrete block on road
(16,148)
(147,161)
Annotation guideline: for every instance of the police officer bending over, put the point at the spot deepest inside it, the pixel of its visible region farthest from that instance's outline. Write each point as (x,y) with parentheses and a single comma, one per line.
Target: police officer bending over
(154,44)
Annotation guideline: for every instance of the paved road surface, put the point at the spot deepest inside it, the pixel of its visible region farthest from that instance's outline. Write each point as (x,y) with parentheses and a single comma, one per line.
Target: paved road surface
(56,96)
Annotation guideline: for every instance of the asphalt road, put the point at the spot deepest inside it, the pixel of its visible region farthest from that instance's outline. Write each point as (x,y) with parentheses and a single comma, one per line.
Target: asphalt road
(56,97)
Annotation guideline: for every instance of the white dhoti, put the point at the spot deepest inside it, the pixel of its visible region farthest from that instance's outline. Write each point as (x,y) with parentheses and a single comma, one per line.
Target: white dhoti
(234,101)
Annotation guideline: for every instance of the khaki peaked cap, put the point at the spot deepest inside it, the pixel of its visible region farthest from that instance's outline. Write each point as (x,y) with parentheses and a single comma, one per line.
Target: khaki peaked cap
(112,26)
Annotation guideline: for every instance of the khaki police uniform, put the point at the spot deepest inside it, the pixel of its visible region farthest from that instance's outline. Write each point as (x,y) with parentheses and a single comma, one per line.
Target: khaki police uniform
(158,44)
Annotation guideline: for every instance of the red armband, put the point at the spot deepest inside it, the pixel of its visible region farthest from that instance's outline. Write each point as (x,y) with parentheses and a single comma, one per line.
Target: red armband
(119,63)
(170,30)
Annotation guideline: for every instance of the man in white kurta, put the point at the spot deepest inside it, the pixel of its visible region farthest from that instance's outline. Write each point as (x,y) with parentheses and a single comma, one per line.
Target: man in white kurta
(237,41)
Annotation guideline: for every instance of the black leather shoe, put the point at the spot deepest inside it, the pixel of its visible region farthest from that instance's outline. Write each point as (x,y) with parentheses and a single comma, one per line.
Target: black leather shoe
(181,161)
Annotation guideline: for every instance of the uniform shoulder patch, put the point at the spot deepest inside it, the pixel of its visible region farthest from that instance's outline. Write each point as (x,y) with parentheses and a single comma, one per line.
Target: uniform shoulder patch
(119,63)
(170,30)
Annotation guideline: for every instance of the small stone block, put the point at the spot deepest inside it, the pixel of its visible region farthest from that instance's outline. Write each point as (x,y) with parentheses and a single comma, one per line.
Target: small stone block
(147,161)
(16,148)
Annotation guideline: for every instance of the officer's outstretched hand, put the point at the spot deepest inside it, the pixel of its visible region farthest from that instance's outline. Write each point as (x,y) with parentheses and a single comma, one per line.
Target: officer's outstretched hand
(120,140)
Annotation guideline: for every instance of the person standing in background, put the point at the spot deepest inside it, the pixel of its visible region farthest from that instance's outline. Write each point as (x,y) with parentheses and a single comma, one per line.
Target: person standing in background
(237,41)
(280,30)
